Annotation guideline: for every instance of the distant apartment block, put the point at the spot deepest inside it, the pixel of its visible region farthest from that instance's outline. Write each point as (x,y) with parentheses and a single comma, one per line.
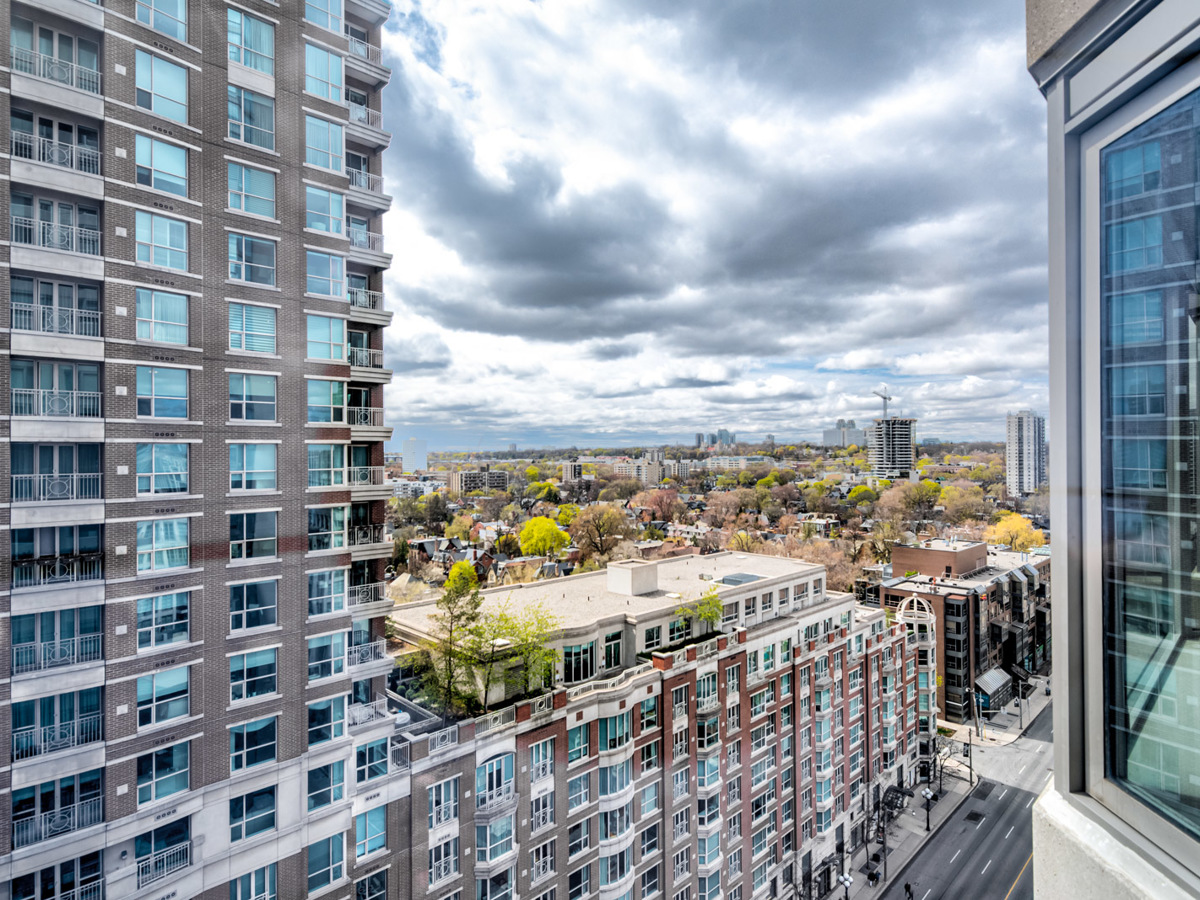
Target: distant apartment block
(738,463)
(1024,453)
(415,455)
(482,479)
(891,449)
(571,472)
(843,434)
(410,489)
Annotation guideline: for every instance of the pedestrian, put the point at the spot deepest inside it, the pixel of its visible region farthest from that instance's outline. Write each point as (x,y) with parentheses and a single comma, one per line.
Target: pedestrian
(907,891)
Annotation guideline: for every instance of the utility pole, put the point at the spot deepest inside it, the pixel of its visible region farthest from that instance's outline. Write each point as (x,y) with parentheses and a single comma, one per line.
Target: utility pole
(971,758)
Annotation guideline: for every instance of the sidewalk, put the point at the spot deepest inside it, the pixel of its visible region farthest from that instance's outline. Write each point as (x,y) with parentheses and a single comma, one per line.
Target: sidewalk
(1005,725)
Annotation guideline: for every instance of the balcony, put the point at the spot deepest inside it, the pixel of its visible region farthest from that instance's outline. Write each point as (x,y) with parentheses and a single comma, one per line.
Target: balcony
(365,61)
(83,323)
(707,704)
(367,247)
(365,715)
(366,127)
(366,423)
(367,190)
(64,820)
(360,298)
(163,863)
(367,537)
(55,165)
(368,598)
(498,796)
(367,478)
(48,68)
(52,236)
(57,654)
(63,404)
(369,657)
(401,762)
(57,570)
(41,739)
(365,357)
(61,486)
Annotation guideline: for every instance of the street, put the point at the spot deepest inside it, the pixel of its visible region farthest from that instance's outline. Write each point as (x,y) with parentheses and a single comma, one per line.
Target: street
(984,851)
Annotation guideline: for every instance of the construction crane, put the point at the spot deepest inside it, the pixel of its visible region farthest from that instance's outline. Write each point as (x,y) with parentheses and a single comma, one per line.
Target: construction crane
(885,396)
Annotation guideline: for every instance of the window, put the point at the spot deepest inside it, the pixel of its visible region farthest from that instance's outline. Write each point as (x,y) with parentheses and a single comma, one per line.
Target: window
(443,802)
(579,883)
(251,118)
(253,605)
(252,467)
(323,143)
(327,528)
(614,779)
(161,317)
(650,881)
(324,210)
(162,468)
(1139,463)
(161,241)
(252,397)
(373,887)
(681,825)
(651,756)
(680,630)
(261,884)
(322,73)
(1137,390)
(252,535)
(679,740)
(371,760)
(160,165)
(251,190)
(251,814)
(326,784)
(162,773)
(251,259)
(1135,170)
(326,720)
(326,338)
(653,637)
(162,620)
(251,744)
(325,13)
(612,651)
(543,862)
(326,592)
(251,41)
(649,798)
(1135,245)
(325,861)
(578,791)
(615,867)
(541,759)
(615,731)
(494,839)
(443,861)
(326,465)
(251,328)
(162,393)
(579,837)
(680,782)
(326,656)
(326,274)
(495,887)
(577,742)
(370,831)
(252,675)
(326,401)
(162,87)
(162,544)
(162,696)
(648,713)
(579,662)
(494,781)
(167,16)
(649,840)
(1136,318)
(616,822)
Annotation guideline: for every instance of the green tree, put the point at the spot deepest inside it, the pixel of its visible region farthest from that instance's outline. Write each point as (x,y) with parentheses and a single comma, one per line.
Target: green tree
(533,630)
(567,513)
(598,529)
(706,609)
(1016,531)
(509,545)
(861,494)
(436,512)
(457,614)
(541,536)
(460,527)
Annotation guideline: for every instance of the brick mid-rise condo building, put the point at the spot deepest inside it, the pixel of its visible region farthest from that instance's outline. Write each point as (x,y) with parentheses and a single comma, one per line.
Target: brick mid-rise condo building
(192,487)
(667,761)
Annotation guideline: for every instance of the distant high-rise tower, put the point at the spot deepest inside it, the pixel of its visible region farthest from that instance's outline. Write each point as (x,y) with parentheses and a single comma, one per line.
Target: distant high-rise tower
(892,443)
(1025,452)
(415,455)
(699,439)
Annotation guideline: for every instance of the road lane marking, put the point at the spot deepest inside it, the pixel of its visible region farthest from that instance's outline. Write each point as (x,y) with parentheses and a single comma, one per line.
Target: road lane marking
(1030,803)
(1023,768)
(955,856)
(985,868)
(1041,748)
(1010,831)
(981,821)
(927,893)
(1001,797)
(1018,878)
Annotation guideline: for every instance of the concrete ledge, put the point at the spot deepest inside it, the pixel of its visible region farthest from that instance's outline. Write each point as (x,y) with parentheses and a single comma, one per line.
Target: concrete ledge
(1075,855)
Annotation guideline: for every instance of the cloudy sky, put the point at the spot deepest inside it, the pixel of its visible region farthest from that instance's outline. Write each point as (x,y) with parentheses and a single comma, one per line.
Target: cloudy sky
(630,220)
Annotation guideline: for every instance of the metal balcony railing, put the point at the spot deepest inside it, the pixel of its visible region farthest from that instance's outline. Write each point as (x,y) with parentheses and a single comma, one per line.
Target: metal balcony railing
(56,320)
(364,476)
(543,769)
(365,299)
(442,869)
(707,704)
(366,416)
(161,864)
(367,713)
(55,153)
(372,118)
(366,240)
(369,52)
(543,818)
(364,535)
(359,595)
(543,868)
(40,739)
(365,357)
(365,181)
(52,236)
(72,404)
(93,891)
(45,570)
(43,826)
(680,710)
(401,763)
(364,654)
(39,65)
(57,654)
(62,486)
(496,796)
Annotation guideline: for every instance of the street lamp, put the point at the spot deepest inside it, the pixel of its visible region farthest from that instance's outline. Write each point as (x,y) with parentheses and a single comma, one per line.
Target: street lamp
(928,795)
(845,880)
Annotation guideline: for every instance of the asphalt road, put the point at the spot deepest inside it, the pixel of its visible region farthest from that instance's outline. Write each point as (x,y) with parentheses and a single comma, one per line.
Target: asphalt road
(984,851)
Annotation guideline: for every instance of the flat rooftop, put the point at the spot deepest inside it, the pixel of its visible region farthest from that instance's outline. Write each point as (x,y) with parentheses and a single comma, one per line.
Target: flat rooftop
(580,600)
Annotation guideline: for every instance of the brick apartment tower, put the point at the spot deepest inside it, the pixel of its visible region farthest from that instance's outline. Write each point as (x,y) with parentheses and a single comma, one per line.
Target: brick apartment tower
(192,487)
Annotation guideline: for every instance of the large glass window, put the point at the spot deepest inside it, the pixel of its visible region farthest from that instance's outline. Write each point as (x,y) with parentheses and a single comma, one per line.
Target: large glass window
(168,16)
(251,118)
(252,467)
(252,397)
(160,165)
(326,592)
(325,861)
(253,604)
(324,210)
(251,813)
(163,620)
(162,316)
(251,190)
(370,831)
(322,73)
(251,328)
(161,86)
(252,744)
(326,720)
(326,784)
(325,13)
(251,41)
(326,656)
(326,465)
(326,401)
(162,393)
(326,338)
(252,535)
(161,241)
(162,544)
(162,696)
(323,143)
(162,773)
(1148,354)
(326,273)
(251,259)
(162,468)
(252,674)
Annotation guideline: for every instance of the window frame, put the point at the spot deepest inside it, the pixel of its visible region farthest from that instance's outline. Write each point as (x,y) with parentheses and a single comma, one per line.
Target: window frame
(241,478)
(170,626)
(241,45)
(239,328)
(241,818)
(157,777)
(147,86)
(245,755)
(240,614)
(244,196)
(263,684)
(148,252)
(243,403)
(152,14)
(152,145)
(153,474)
(244,260)
(235,97)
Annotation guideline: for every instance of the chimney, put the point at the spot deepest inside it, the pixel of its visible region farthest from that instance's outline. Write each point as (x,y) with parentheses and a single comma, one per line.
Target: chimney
(632,577)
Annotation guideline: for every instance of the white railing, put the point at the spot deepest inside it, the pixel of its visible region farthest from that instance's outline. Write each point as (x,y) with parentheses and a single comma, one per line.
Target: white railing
(366,240)
(495,721)
(56,320)
(680,789)
(440,740)
(372,118)
(362,49)
(366,653)
(158,866)
(93,891)
(365,416)
(28,742)
(543,868)
(57,570)
(70,238)
(364,535)
(543,818)
(542,704)
(57,654)
(365,181)
(73,404)
(442,869)
(707,649)
(362,476)
(54,153)
(543,769)
(46,825)
(400,758)
(707,704)
(365,357)
(366,713)
(608,684)
(364,299)
(39,65)
(366,594)
(65,486)
(496,796)
(679,710)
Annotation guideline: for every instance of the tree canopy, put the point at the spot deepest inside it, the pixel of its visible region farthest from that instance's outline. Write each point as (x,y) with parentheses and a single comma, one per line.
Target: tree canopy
(541,536)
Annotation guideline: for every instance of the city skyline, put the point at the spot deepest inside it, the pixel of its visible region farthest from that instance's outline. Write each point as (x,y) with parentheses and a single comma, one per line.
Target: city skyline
(588,266)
